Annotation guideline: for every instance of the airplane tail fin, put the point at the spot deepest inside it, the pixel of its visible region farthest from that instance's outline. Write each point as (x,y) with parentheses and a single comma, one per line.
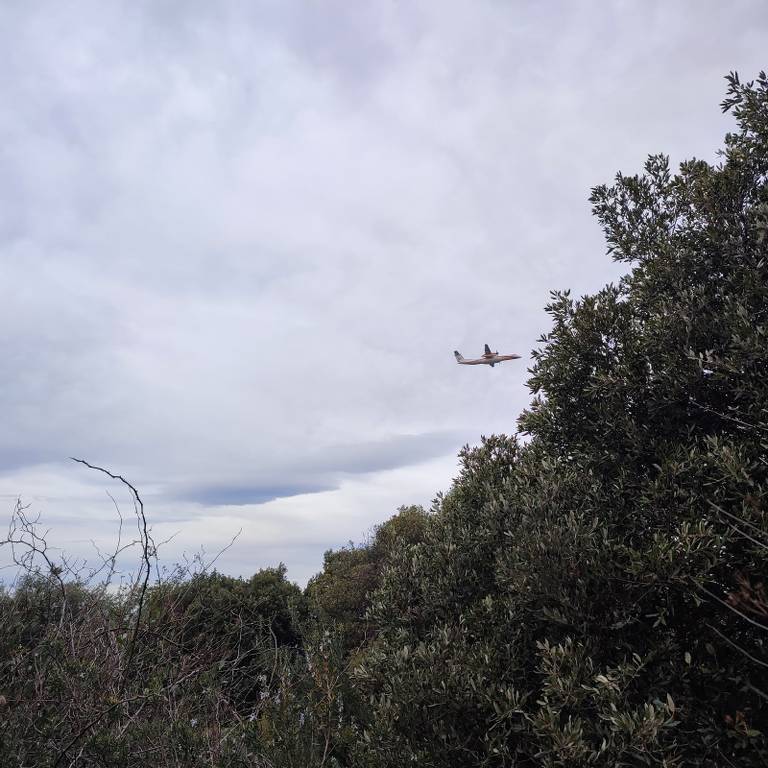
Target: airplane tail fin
(458,355)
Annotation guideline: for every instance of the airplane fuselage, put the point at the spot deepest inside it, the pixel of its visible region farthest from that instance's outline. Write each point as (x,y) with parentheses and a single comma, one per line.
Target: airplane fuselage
(489,358)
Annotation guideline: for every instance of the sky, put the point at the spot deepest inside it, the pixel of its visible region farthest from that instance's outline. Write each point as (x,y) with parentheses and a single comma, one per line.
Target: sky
(239,242)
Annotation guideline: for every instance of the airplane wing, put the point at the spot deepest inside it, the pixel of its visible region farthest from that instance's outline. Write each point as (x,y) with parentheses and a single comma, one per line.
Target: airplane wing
(488,350)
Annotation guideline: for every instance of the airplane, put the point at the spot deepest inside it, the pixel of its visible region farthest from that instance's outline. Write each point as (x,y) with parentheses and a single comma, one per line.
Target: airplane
(488,358)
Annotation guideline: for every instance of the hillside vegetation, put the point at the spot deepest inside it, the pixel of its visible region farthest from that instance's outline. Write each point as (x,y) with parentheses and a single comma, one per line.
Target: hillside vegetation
(590,595)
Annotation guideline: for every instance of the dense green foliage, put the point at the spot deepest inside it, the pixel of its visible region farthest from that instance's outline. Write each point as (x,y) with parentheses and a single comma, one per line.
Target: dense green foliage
(210,652)
(584,609)
(339,593)
(590,592)
(580,613)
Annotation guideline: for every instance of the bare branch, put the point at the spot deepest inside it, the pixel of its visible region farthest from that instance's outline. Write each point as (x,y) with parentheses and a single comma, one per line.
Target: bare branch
(145,554)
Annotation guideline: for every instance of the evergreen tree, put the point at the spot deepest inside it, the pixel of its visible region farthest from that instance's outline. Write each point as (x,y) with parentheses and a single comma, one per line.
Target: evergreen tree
(595,596)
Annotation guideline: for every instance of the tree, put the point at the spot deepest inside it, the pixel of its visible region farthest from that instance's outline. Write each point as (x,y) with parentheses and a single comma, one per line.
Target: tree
(593,600)
(340,592)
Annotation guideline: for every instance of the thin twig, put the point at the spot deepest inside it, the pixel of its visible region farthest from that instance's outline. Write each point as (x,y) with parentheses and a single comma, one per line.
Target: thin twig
(731,608)
(725,416)
(738,647)
(737,519)
(145,553)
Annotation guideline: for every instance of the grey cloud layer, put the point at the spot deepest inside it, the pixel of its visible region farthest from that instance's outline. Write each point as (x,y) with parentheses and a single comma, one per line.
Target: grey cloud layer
(239,241)
(320,470)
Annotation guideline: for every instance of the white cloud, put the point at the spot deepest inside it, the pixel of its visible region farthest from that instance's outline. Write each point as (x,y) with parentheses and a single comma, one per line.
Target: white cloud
(238,237)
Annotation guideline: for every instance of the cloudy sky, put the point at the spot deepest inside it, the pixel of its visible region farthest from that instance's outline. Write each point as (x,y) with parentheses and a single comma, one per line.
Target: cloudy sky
(240,240)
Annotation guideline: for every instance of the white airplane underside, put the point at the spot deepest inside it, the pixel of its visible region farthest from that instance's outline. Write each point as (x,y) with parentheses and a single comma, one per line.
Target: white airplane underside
(488,358)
